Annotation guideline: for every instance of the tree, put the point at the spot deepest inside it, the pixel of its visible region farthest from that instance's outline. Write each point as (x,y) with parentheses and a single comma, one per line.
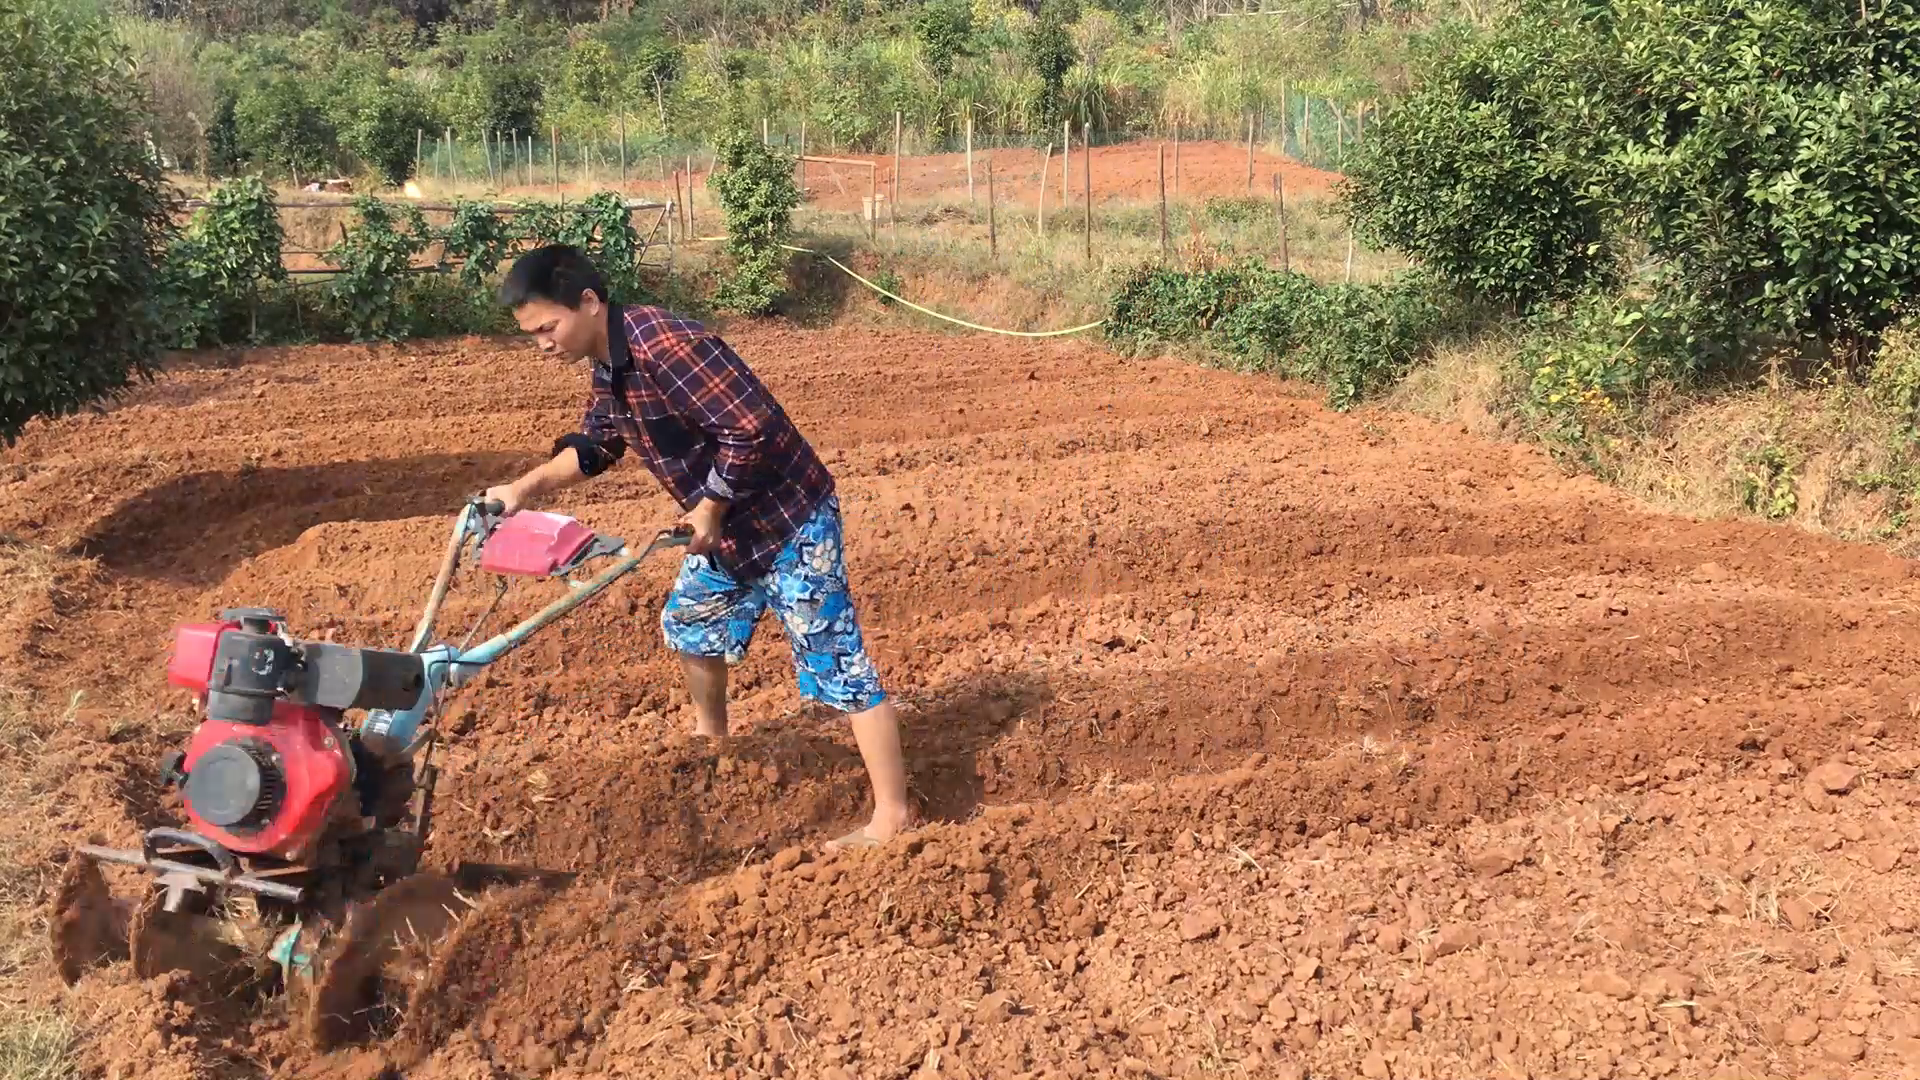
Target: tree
(380,119)
(85,215)
(280,126)
(1051,54)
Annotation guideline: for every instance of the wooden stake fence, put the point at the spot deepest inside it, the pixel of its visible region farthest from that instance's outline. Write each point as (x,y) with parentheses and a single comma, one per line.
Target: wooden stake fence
(873,186)
(993,232)
(1163,200)
(1280,215)
(1086,180)
(1040,213)
(969,158)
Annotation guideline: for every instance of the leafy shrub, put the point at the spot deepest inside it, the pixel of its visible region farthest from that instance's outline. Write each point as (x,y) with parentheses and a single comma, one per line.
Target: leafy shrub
(84,217)
(1894,382)
(1581,369)
(479,238)
(1471,174)
(372,258)
(214,269)
(757,195)
(1773,164)
(380,120)
(600,225)
(1354,339)
(1767,166)
(279,125)
(943,28)
(1767,484)
(1050,53)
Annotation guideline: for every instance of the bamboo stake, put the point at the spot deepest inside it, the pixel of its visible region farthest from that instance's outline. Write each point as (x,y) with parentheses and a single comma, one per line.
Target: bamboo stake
(1280,214)
(691,234)
(486,152)
(1249,153)
(893,202)
(969,158)
(1349,256)
(993,232)
(516,138)
(452,165)
(623,152)
(1040,214)
(765,140)
(1176,161)
(555,154)
(1086,181)
(419,144)
(1163,200)
(873,203)
(1066,160)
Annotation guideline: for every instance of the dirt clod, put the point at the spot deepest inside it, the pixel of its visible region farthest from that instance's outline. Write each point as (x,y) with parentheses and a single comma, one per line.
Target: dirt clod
(1834,777)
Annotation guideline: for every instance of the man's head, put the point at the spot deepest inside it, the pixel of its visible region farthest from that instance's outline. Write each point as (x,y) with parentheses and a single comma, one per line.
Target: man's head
(558,296)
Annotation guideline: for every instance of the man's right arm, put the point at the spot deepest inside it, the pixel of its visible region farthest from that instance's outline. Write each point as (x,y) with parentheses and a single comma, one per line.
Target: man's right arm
(588,452)
(563,471)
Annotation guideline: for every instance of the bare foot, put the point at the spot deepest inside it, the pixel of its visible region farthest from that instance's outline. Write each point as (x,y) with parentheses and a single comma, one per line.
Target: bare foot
(881,829)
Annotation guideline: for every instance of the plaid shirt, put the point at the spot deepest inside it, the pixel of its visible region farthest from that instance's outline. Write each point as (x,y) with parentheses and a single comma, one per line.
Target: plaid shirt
(706,426)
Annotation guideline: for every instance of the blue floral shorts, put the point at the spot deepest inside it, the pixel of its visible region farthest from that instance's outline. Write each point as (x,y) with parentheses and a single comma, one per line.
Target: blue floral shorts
(708,613)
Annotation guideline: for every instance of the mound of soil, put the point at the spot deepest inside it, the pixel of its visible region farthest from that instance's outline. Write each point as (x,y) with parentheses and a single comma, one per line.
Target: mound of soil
(1249,736)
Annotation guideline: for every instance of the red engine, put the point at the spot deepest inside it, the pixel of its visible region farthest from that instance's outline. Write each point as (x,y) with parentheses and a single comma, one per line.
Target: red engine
(258,785)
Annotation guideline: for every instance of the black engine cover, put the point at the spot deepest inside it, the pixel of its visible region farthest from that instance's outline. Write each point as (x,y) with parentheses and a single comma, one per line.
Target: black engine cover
(237,785)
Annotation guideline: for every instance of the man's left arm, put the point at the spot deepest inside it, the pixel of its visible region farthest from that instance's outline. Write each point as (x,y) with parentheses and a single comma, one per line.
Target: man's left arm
(704,381)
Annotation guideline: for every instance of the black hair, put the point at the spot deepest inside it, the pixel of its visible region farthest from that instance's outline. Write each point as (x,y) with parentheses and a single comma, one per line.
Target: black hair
(557,272)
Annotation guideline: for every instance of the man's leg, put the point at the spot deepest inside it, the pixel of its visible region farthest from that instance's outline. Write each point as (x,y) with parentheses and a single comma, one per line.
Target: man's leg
(808,591)
(708,620)
(877,732)
(707,683)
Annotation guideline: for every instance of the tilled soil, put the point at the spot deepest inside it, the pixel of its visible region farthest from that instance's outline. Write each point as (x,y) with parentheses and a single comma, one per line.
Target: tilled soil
(1251,738)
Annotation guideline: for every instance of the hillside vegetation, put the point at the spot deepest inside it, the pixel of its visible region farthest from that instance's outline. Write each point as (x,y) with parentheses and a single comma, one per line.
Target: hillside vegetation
(312,86)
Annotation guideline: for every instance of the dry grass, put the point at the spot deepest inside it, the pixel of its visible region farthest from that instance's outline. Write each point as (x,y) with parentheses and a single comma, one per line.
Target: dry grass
(1461,385)
(36,1045)
(1817,455)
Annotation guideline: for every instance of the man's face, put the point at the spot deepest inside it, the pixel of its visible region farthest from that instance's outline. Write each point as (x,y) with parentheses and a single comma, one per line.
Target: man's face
(570,333)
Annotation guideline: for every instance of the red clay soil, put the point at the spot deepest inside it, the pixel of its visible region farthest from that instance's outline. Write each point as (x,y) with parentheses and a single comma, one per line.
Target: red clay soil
(1252,738)
(1128,172)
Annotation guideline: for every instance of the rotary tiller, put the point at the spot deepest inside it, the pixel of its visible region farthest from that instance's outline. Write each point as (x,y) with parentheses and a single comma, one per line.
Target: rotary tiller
(298,866)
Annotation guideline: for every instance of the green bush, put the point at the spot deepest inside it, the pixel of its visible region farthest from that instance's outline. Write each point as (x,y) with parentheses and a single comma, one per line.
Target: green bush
(1353,339)
(373,257)
(943,28)
(1761,159)
(84,217)
(1772,164)
(1894,382)
(380,120)
(213,271)
(278,125)
(757,195)
(478,238)
(1471,174)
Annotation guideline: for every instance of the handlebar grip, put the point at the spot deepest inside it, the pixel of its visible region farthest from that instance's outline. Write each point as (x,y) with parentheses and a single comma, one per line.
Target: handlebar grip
(493,507)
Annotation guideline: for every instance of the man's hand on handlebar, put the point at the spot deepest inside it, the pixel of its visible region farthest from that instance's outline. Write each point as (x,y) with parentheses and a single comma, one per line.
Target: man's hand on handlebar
(508,496)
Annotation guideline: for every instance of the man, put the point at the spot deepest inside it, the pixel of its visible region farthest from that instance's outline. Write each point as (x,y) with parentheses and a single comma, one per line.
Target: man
(762,507)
